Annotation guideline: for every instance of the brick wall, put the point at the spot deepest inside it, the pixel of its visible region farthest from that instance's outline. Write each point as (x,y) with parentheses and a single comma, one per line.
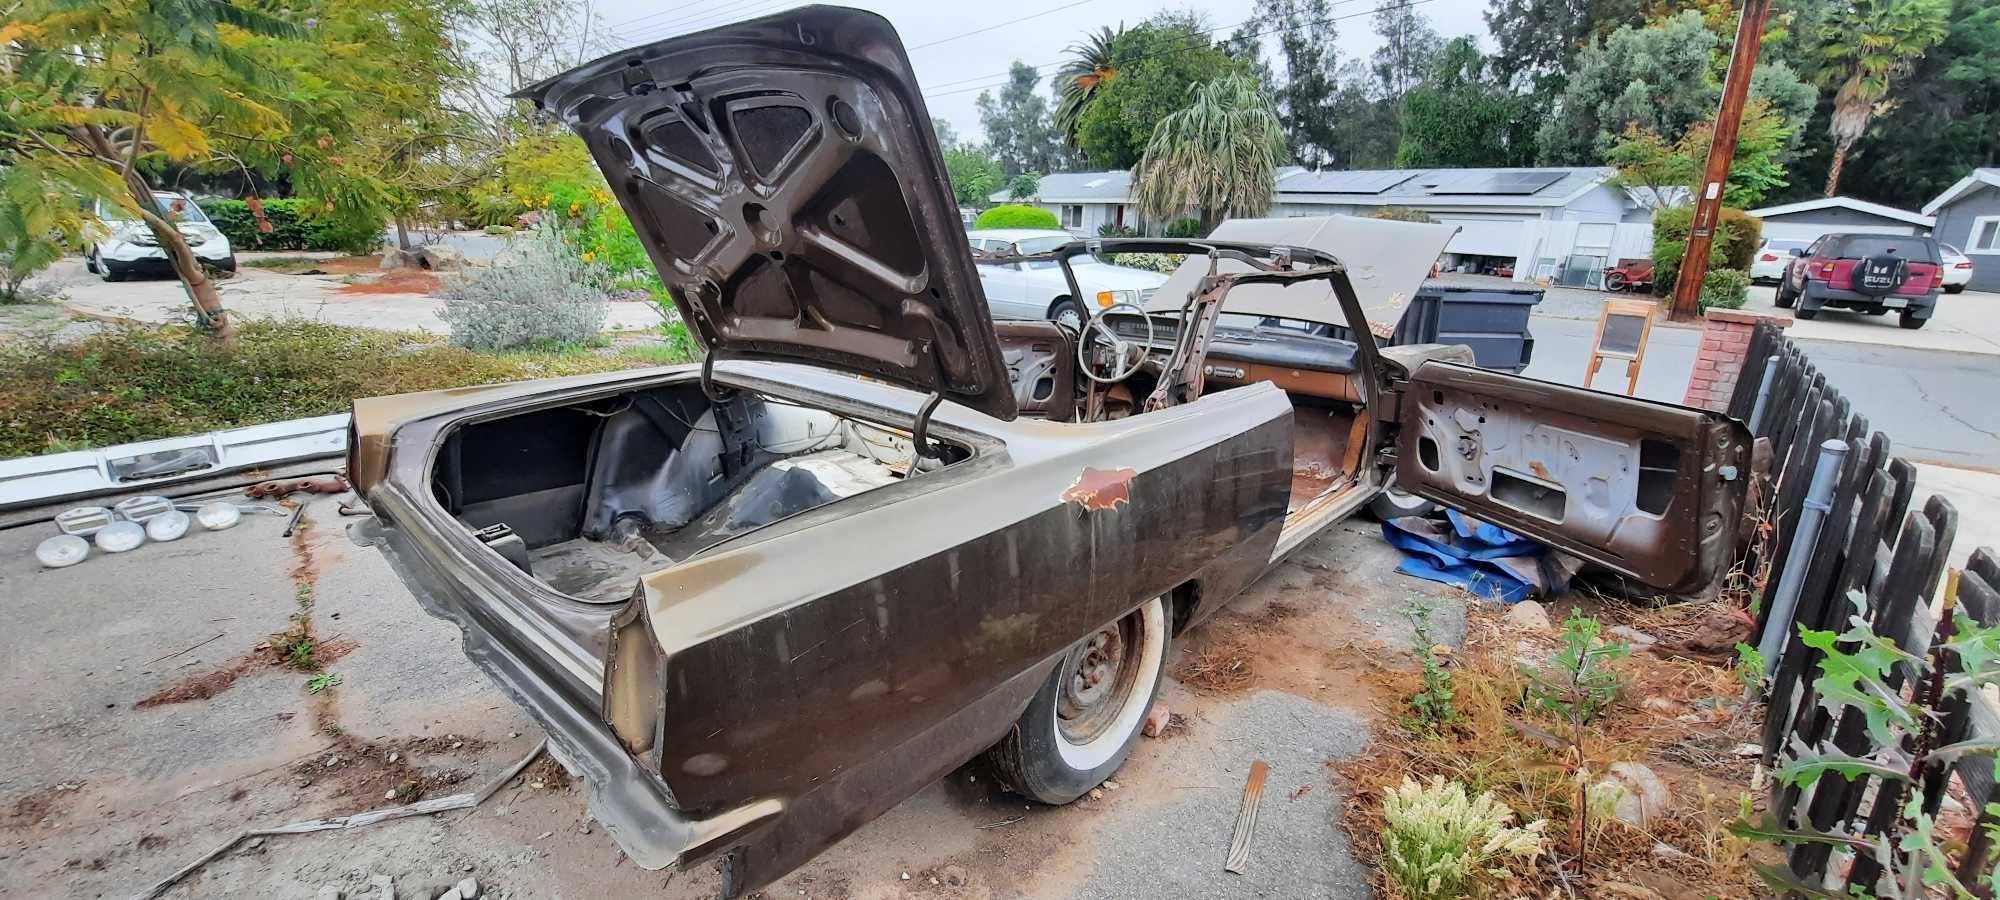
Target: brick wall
(1725,336)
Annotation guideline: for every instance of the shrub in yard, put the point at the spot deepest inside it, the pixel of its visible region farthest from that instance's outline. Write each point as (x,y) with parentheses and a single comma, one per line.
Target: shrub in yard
(1184,228)
(292,227)
(1151,262)
(134,384)
(1738,234)
(1441,844)
(1114,230)
(551,296)
(1724,289)
(1016,215)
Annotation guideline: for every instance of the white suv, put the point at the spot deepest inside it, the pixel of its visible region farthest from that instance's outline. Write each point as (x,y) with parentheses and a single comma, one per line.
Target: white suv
(1037,289)
(122,245)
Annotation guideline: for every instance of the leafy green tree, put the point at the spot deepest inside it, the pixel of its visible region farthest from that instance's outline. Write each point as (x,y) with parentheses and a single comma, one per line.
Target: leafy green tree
(1944,118)
(1659,77)
(1544,37)
(1462,114)
(1666,171)
(1369,125)
(1662,78)
(973,171)
(36,229)
(1409,47)
(103,86)
(1019,130)
(1306,39)
(1091,65)
(1159,60)
(1867,45)
(1218,156)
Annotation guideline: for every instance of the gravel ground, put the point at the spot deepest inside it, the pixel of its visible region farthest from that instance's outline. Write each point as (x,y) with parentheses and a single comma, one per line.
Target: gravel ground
(101,793)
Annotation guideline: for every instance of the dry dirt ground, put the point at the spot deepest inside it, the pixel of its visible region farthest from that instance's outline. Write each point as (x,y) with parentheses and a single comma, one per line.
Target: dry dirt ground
(146,721)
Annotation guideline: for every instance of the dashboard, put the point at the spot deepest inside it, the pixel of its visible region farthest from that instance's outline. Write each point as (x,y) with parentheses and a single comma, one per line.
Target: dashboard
(1246,350)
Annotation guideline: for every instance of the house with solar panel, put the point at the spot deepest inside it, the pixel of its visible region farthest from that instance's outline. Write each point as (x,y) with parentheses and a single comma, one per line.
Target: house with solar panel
(1564,224)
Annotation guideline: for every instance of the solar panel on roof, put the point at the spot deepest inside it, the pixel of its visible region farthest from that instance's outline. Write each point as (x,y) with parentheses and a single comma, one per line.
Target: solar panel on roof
(1351,182)
(1499,183)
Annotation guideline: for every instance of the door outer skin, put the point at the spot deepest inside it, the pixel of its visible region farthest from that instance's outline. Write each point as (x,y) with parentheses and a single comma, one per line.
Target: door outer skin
(859,652)
(1651,490)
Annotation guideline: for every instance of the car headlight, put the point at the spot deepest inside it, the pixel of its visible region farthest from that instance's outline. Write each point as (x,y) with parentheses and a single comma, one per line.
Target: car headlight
(193,238)
(1112,298)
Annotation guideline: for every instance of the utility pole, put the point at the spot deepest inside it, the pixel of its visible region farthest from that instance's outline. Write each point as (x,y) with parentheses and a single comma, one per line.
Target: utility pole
(1708,194)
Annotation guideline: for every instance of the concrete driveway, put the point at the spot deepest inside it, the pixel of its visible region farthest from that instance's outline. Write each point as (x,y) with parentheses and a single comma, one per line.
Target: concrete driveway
(1962,323)
(258,294)
(102,791)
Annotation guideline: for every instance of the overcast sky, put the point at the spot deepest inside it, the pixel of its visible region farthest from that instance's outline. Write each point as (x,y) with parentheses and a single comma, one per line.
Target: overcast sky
(959,48)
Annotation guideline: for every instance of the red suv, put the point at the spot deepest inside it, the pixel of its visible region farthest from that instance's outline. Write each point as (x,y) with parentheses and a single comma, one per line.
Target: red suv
(1871,273)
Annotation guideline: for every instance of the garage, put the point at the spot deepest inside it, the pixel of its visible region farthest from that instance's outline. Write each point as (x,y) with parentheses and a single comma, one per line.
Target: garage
(1806,221)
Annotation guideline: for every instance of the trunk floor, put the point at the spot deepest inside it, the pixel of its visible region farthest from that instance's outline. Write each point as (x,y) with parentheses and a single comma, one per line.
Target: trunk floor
(595,571)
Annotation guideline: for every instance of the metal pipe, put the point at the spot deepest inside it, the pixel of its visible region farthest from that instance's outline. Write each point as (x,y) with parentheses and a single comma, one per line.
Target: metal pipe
(1784,604)
(1763,394)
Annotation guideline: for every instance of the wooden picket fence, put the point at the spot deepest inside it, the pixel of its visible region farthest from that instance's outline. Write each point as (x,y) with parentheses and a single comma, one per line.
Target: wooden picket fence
(1874,545)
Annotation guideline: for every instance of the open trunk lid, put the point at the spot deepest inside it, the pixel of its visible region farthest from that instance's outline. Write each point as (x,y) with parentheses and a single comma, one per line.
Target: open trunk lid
(784,178)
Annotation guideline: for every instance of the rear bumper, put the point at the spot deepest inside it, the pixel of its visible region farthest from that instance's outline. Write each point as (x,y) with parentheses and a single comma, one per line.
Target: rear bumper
(1820,295)
(634,805)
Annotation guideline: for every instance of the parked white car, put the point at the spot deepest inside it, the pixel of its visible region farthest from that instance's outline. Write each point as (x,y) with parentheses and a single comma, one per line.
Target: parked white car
(122,245)
(1768,266)
(1957,269)
(1037,290)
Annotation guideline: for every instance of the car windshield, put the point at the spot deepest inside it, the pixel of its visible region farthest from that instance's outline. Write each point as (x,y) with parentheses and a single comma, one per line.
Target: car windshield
(1862,246)
(1033,245)
(178,209)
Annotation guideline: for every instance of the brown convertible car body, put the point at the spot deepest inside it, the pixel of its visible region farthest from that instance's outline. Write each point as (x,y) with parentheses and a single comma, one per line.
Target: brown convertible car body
(758,604)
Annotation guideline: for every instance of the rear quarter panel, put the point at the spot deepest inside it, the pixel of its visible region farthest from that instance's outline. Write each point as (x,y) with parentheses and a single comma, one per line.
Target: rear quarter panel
(802,654)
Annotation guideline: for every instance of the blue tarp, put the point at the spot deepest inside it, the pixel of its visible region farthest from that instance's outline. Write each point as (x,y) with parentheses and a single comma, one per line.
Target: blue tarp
(1485,559)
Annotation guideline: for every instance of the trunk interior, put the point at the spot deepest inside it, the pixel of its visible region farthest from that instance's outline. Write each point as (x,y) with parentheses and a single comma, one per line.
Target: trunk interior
(589,497)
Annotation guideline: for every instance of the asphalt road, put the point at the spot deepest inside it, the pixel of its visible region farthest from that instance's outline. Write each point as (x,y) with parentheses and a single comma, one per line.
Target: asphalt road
(1936,405)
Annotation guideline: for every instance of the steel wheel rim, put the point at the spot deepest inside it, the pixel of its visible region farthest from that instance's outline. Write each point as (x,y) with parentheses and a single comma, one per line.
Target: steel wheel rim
(1098,679)
(1069,318)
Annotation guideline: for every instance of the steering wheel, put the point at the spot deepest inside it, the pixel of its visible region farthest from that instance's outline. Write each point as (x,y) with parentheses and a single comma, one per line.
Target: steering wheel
(1123,368)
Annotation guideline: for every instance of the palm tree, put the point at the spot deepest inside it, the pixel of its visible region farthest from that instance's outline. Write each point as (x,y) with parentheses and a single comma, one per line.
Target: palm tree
(1218,156)
(1078,82)
(1868,43)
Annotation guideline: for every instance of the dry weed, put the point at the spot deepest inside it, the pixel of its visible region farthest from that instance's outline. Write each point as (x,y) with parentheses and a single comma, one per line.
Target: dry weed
(1218,665)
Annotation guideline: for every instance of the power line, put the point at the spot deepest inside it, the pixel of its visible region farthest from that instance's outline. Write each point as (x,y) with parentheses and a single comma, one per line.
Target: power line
(738,9)
(988,28)
(1004,77)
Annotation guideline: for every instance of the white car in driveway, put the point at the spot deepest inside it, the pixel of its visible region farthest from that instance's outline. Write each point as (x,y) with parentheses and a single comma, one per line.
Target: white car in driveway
(121,244)
(1957,269)
(1768,266)
(1037,289)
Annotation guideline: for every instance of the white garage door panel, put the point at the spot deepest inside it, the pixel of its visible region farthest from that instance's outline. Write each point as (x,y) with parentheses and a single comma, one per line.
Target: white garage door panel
(1485,236)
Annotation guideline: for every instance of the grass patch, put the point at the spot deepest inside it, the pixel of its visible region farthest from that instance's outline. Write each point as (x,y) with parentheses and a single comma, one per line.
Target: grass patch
(321,682)
(281,263)
(136,384)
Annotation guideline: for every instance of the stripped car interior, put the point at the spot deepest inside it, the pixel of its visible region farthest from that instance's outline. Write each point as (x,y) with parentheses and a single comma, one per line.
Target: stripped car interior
(759,601)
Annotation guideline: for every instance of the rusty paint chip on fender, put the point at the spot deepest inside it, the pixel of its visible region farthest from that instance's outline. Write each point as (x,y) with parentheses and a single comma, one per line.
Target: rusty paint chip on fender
(1097,489)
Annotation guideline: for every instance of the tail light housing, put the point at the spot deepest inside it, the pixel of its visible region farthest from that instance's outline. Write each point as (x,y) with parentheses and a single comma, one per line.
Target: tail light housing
(1769,257)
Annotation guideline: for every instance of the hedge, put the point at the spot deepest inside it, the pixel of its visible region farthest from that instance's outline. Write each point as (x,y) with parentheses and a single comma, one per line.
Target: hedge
(291,229)
(1724,289)
(1016,215)
(1737,237)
